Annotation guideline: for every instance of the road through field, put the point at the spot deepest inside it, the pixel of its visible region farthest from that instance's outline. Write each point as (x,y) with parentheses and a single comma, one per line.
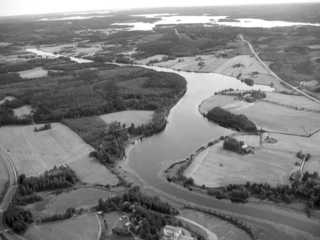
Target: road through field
(275,75)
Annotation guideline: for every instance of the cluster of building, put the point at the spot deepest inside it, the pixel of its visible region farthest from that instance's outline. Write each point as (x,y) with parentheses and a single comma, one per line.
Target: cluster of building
(232,144)
(176,233)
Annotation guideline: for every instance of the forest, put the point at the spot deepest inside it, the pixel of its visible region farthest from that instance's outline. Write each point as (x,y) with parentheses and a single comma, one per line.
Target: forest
(56,178)
(227,119)
(79,90)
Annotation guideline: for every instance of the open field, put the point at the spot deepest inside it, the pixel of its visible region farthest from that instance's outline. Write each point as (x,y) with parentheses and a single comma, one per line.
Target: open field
(294,101)
(84,227)
(223,229)
(129,117)
(78,198)
(264,113)
(271,163)
(242,67)
(35,152)
(22,112)
(37,72)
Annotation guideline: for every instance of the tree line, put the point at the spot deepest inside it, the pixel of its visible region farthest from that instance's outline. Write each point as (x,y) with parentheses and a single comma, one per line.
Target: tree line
(227,119)
(56,178)
(305,190)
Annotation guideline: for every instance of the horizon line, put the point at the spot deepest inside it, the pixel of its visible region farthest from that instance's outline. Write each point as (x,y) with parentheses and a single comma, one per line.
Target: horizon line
(95,11)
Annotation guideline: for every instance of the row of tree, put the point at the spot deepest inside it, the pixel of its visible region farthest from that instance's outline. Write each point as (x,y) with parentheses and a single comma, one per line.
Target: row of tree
(229,120)
(305,190)
(56,178)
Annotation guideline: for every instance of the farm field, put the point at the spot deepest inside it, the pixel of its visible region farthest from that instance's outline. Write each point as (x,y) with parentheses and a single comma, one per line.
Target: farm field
(222,229)
(129,117)
(264,113)
(78,198)
(35,152)
(82,227)
(295,101)
(22,112)
(271,163)
(37,72)
(242,67)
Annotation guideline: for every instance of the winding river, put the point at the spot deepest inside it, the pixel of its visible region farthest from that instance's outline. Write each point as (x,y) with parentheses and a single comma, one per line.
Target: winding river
(187,130)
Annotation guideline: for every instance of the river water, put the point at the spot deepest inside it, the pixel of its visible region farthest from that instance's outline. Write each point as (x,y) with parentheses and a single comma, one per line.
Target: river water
(167,19)
(187,130)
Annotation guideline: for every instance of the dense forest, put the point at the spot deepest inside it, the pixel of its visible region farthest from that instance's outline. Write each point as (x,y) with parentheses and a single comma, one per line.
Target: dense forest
(77,90)
(17,219)
(227,119)
(56,178)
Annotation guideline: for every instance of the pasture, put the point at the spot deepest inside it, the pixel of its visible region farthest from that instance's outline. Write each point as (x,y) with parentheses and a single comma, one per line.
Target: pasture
(280,115)
(271,163)
(35,152)
(129,117)
(82,227)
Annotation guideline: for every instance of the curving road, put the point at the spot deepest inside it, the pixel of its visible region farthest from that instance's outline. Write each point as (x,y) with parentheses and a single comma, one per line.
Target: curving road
(210,235)
(8,162)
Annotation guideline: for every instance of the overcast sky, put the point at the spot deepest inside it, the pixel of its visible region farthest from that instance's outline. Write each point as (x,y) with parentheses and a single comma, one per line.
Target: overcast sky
(15,7)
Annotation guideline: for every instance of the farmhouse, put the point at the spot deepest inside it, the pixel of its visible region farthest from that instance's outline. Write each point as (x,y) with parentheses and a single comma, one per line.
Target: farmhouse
(175,233)
(232,144)
(122,227)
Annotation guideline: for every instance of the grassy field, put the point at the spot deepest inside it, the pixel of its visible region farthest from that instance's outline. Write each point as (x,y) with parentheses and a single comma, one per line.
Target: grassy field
(37,72)
(241,66)
(222,229)
(271,163)
(22,112)
(35,152)
(78,198)
(137,118)
(294,101)
(269,116)
(82,227)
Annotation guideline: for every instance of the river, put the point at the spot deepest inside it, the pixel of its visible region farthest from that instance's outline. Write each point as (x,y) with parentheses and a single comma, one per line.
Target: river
(187,130)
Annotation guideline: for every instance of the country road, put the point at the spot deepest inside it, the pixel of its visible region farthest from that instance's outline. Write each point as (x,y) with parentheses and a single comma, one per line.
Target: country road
(210,235)
(274,74)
